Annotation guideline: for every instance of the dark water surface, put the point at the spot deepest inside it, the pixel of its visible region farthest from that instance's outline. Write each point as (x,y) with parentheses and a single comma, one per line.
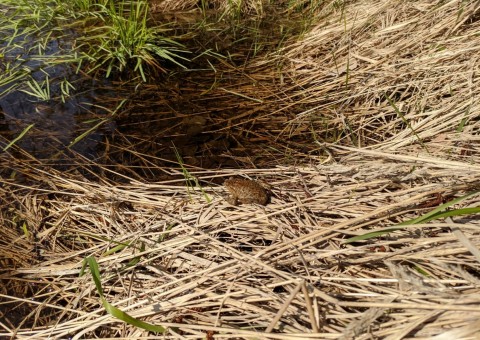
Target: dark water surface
(59,120)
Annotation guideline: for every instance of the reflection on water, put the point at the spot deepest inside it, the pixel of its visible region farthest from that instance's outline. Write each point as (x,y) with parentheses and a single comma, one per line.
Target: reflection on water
(62,118)
(57,124)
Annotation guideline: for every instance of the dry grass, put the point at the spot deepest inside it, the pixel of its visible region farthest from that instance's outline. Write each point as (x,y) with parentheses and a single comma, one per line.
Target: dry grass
(421,55)
(211,266)
(397,80)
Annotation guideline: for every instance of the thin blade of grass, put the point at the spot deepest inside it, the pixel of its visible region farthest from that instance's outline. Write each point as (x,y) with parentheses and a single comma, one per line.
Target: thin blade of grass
(20,136)
(436,213)
(440,208)
(402,117)
(86,133)
(114,311)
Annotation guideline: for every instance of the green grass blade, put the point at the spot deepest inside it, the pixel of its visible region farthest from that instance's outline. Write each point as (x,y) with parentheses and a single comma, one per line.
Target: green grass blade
(117,248)
(121,315)
(93,265)
(402,117)
(372,234)
(18,137)
(112,310)
(436,213)
(86,133)
(456,212)
(26,233)
(189,177)
(136,259)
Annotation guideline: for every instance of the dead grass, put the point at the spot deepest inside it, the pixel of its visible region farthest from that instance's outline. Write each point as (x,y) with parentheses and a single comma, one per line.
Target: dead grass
(421,55)
(233,270)
(397,82)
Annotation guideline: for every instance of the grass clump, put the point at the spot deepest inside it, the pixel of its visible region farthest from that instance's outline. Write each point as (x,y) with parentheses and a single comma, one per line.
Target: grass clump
(124,42)
(106,37)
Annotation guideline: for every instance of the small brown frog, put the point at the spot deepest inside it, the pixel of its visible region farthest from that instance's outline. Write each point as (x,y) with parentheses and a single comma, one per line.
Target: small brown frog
(246,191)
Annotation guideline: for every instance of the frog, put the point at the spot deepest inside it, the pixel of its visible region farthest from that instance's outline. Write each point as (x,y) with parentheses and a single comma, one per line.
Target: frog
(246,191)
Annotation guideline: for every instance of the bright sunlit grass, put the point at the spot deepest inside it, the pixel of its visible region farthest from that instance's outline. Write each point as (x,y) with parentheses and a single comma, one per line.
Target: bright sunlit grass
(106,37)
(124,42)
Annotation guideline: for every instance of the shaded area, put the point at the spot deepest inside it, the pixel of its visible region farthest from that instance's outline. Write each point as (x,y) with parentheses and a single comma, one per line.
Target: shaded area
(223,111)
(28,310)
(227,110)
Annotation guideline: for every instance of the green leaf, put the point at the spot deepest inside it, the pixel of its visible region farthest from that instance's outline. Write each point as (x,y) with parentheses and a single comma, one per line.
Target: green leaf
(19,137)
(118,247)
(437,210)
(402,116)
(25,229)
(119,314)
(136,259)
(86,133)
(112,310)
(435,214)
(93,265)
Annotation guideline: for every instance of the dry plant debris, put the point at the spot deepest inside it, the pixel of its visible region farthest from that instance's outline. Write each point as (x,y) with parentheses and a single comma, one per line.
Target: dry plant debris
(281,271)
(398,80)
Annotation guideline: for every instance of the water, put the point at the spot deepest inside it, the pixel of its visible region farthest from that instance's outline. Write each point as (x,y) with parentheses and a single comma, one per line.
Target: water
(57,120)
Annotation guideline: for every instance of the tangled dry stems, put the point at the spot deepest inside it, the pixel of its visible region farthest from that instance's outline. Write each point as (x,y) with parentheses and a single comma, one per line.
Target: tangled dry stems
(400,82)
(211,266)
